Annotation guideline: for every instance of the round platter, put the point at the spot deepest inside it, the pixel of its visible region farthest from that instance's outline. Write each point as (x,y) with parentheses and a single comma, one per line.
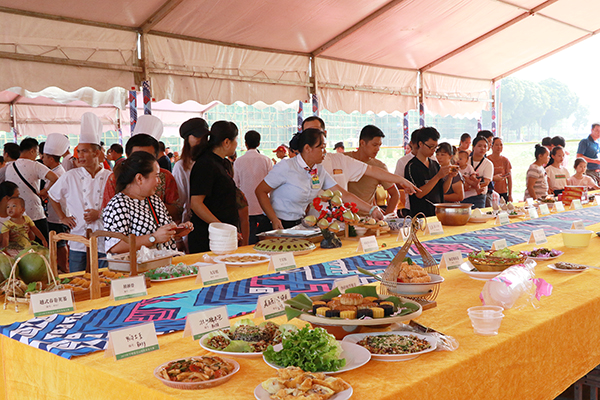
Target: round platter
(318,320)
(262,394)
(478,275)
(356,356)
(552,266)
(230,259)
(357,337)
(295,246)
(482,219)
(197,385)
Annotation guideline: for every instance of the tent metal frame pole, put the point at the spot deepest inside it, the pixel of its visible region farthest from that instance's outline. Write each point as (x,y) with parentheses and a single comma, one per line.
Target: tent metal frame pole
(13,119)
(72,63)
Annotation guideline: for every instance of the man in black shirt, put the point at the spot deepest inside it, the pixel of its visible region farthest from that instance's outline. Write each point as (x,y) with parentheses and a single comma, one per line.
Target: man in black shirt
(426,174)
(163,160)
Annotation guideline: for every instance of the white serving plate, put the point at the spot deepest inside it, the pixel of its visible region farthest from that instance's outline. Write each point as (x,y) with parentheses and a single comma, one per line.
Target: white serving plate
(414,289)
(220,259)
(196,385)
(477,275)
(357,337)
(552,266)
(482,219)
(227,353)
(356,356)
(262,394)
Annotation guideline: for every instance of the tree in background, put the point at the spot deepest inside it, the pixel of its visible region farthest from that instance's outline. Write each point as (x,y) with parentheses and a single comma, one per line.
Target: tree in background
(527,104)
(582,117)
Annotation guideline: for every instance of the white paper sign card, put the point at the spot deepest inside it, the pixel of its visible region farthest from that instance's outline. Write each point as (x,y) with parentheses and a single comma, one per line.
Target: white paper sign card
(538,237)
(451,260)
(272,305)
(559,206)
(346,283)
(212,274)
(499,244)
(132,341)
(578,225)
(544,210)
(529,202)
(127,288)
(200,323)
(576,205)
(434,228)
(532,213)
(502,219)
(282,262)
(48,303)
(367,243)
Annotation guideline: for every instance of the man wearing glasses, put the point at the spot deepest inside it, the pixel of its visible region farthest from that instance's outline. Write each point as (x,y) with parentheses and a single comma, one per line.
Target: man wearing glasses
(426,174)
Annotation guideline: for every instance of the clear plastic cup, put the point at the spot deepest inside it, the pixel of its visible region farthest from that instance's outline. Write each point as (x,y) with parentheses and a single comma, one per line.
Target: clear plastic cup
(486,320)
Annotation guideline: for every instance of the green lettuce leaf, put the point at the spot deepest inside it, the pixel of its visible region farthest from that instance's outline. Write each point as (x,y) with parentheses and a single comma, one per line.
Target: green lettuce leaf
(243,321)
(238,346)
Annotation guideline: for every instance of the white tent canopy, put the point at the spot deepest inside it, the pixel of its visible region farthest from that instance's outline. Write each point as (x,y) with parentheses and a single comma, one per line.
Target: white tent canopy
(377,55)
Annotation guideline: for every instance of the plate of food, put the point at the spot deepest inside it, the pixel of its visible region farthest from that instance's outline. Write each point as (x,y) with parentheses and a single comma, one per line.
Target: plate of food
(191,373)
(291,380)
(567,267)
(474,273)
(245,339)
(481,219)
(315,350)
(173,272)
(354,309)
(516,214)
(542,254)
(393,346)
(242,259)
(285,245)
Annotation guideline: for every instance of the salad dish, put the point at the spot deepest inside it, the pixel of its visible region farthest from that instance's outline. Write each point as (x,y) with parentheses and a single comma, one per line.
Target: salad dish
(393,346)
(196,372)
(171,272)
(294,382)
(245,339)
(495,260)
(315,350)
(542,254)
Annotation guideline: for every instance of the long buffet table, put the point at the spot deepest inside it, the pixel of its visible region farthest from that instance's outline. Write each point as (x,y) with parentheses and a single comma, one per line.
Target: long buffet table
(537,354)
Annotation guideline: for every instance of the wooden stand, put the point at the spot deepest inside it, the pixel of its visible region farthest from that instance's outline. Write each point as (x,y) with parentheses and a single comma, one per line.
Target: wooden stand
(91,244)
(379,230)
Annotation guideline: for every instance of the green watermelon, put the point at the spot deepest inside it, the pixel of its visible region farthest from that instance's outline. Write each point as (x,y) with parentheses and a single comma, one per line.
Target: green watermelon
(5,266)
(32,267)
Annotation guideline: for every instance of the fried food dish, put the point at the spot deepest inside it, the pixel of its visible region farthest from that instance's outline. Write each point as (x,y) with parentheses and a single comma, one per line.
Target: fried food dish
(196,369)
(412,274)
(293,383)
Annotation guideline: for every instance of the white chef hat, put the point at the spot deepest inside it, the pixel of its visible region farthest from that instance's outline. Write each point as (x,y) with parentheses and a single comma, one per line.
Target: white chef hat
(91,129)
(150,125)
(57,144)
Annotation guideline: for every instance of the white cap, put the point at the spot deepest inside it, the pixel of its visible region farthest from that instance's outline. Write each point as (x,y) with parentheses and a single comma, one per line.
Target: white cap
(57,144)
(150,125)
(91,129)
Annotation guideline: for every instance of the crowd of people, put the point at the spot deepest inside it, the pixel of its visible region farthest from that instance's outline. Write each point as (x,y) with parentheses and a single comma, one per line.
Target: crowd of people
(169,201)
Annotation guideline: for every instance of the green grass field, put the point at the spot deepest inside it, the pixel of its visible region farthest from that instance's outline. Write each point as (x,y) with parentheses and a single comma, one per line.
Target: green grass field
(520,156)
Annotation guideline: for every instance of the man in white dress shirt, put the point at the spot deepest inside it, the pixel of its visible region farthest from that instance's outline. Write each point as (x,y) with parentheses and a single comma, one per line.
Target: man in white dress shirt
(249,170)
(27,174)
(83,189)
(346,169)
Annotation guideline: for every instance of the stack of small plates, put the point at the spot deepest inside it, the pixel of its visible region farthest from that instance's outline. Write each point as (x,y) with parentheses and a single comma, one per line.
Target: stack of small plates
(223,238)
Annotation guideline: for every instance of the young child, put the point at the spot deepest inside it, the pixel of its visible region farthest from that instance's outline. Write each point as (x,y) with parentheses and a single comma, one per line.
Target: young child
(557,175)
(579,179)
(22,224)
(467,171)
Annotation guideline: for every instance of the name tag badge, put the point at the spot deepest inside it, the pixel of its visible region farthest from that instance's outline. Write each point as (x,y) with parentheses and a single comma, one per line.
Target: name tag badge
(451,260)
(272,305)
(337,171)
(129,342)
(316,183)
(49,303)
(126,288)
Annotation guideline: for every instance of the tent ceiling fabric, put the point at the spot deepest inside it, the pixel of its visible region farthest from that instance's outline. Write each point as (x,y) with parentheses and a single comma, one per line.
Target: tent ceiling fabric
(255,50)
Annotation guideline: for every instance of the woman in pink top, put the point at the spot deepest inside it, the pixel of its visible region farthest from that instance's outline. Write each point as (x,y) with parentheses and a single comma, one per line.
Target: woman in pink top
(579,179)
